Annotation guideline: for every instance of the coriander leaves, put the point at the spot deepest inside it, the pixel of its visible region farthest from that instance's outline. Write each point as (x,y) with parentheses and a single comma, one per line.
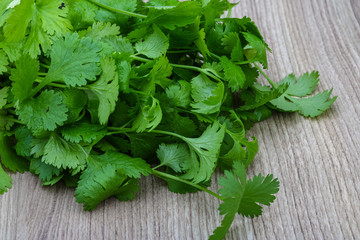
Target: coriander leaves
(94,91)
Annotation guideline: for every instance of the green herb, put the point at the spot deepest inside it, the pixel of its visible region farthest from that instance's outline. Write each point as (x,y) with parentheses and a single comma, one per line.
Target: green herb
(97,93)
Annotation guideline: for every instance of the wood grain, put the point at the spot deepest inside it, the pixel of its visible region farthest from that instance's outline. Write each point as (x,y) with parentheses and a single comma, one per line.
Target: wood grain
(317,161)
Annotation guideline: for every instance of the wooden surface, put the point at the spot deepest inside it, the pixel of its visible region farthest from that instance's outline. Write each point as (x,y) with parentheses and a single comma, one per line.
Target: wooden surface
(316,161)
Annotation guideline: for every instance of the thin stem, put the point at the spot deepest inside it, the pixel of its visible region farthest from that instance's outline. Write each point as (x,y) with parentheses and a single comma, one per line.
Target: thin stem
(193,68)
(215,56)
(169,133)
(197,69)
(187,67)
(10,105)
(42,74)
(81,116)
(118,10)
(168,176)
(182,51)
(140,58)
(58,85)
(229,13)
(266,76)
(244,62)
(139,92)
(44,65)
(13,120)
(119,130)
(11,111)
(41,85)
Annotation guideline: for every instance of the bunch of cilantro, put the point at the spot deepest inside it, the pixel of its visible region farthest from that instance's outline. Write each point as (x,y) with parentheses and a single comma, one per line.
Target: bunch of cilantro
(97,93)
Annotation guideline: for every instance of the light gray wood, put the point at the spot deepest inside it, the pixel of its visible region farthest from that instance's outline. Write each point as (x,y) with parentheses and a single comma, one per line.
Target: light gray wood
(317,161)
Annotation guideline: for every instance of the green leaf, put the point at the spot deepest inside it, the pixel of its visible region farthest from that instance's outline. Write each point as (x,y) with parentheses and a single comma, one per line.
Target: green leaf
(75,100)
(179,94)
(24,139)
(303,86)
(182,14)
(106,89)
(124,73)
(243,197)
(200,39)
(233,74)
(99,183)
(45,172)
(144,145)
(108,175)
(38,23)
(292,100)
(24,76)
(149,116)
(213,68)
(3,62)
(100,30)
(234,184)
(259,190)
(13,50)
(174,156)
(132,167)
(104,15)
(117,44)
(45,112)
(82,132)
(161,3)
(5,123)
(128,190)
(204,152)
(255,50)
(5,181)
(154,45)
(61,154)
(4,93)
(262,96)
(161,71)
(213,9)
(74,60)
(9,158)
(232,45)
(207,95)
(81,13)
(16,25)
(159,74)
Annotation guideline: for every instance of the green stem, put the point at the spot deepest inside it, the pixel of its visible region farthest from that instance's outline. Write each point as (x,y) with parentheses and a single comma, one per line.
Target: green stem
(53,84)
(169,133)
(215,56)
(197,69)
(266,76)
(44,65)
(41,85)
(13,120)
(11,111)
(119,130)
(244,62)
(10,105)
(193,68)
(168,176)
(118,10)
(139,92)
(229,13)
(181,51)
(42,74)
(140,58)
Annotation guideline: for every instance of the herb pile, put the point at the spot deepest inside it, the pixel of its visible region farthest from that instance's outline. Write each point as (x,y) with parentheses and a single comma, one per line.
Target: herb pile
(98,93)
